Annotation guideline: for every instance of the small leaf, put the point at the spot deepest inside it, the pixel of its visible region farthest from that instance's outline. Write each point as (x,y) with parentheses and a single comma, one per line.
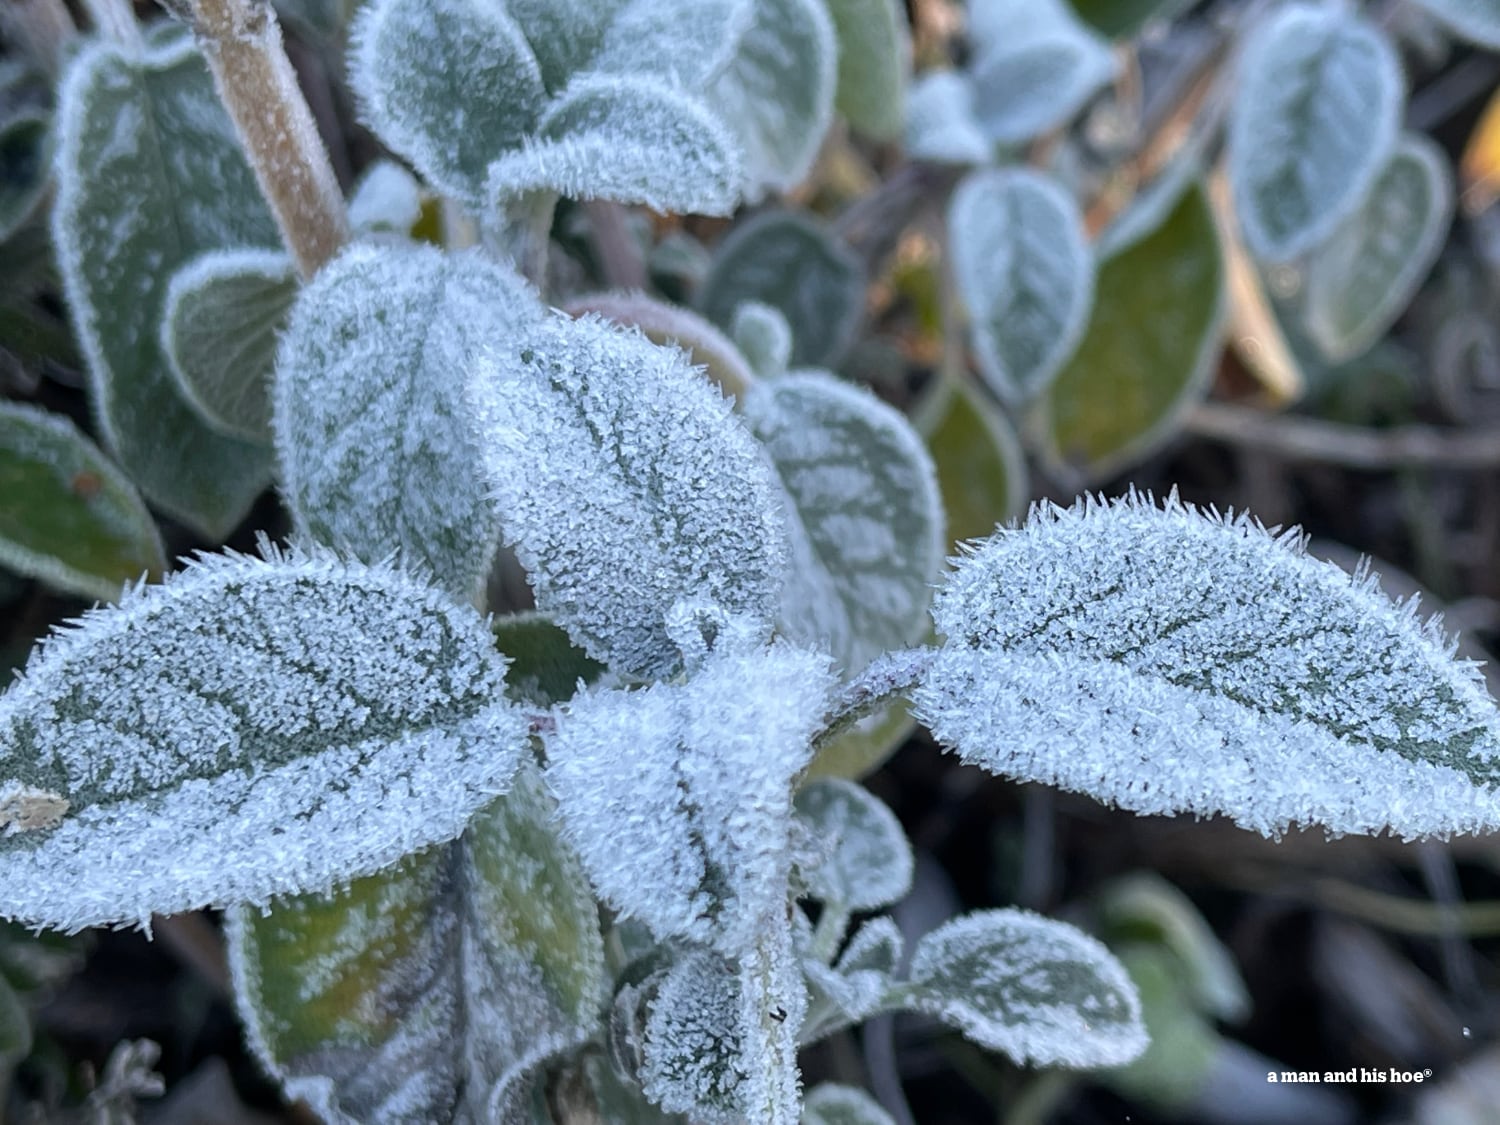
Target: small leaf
(763,337)
(383,336)
(831,1104)
(629,139)
(863,515)
(1170,662)
(223,312)
(545,668)
(1178,1066)
(981,470)
(248,729)
(859,986)
(431,991)
(1313,122)
(26,143)
(67,515)
(1361,279)
(876,947)
(1150,346)
(874,49)
(1043,992)
(448,84)
(867,862)
(796,265)
(941,125)
(1475,20)
(149,175)
(777,92)
(674,326)
(1024,270)
(624,484)
(387,199)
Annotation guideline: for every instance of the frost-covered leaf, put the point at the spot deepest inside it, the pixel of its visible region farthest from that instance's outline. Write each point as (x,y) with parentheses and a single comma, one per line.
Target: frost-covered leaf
(624,484)
(1022,264)
(1035,66)
(941,125)
(632,139)
(860,985)
(248,729)
(374,438)
(876,947)
(1167,662)
(67,515)
(662,323)
(1043,992)
(1475,20)
(981,470)
(1361,279)
(387,198)
(448,84)
(764,338)
(874,60)
(545,668)
(865,861)
(1150,347)
(777,92)
(149,175)
(26,141)
(832,1104)
(428,992)
(223,312)
(1313,122)
(863,515)
(794,264)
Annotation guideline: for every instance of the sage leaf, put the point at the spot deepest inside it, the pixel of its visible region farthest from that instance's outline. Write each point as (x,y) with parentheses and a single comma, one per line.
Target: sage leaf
(624,484)
(429,992)
(941,125)
(248,729)
(981,470)
(149,175)
(1023,268)
(832,1104)
(763,337)
(223,312)
(859,986)
(674,326)
(1313,122)
(1167,661)
(866,861)
(1361,279)
(26,144)
(1475,20)
(874,48)
(1043,992)
(386,200)
(68,516)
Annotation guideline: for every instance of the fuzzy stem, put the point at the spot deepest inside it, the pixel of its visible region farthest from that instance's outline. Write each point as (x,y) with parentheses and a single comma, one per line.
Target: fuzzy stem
(892,675)
(242,42)
(115,20)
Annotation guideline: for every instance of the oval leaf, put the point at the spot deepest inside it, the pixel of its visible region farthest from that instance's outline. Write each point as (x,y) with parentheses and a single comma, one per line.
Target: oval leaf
(1476,20)
(874,51)
(867,862)
(1313,122)
(981,470)
(1024,270)
(1170,662)
(763,337)
(248,729)
(67,515)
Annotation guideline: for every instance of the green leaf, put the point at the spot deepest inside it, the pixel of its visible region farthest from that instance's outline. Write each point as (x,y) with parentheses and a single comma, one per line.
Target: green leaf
(224,311)
(67,515)
(672,325)
(874,64)
(940,122)
(1314,120)
(383,338)
(26,142)
(1043,992)
(432,991)
(981,470)
(1150,347)
(777,92)
(1475,20)
(1177,1067)
(545,667)
(831,1104)
(1121,19)
(763,337)
(448,84)
(864,747)
(247,729)
(1167,661)
(1361,279)
(866,861)
(630,139)
(792,263)
(149,175)
(1023,267)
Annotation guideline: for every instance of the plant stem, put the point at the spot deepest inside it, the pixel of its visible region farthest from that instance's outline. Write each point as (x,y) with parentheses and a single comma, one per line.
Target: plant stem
(242,42)
(115,20)
(891,675)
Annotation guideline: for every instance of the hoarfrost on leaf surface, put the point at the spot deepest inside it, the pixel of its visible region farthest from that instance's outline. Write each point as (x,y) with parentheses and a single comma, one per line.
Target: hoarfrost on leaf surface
(1168,661)
(248,729)
(867,862)
(764,338)
(859,985)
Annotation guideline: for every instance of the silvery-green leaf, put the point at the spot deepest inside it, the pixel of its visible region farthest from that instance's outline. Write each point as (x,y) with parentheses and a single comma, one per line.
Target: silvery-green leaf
(68,516)
(940,121)
(777,92)
(1475,20)
(1035,66)
(631,139)
(865,861)
(876,947)
(673,325)
(1167,661)
(149,175)
(625,484)
(863,515)
(448,84)
(1313,122)
(764,338)
(874,61)
(689,831)
(428,992)
(387,198)
(223,312)
(248,729)
(981,470)
(564,34)
(1360,280)
(794,264)
(860,985)
(545,668)
(1022,264)
(1043,992)
(374,437)
(831,1104)
(26,141)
